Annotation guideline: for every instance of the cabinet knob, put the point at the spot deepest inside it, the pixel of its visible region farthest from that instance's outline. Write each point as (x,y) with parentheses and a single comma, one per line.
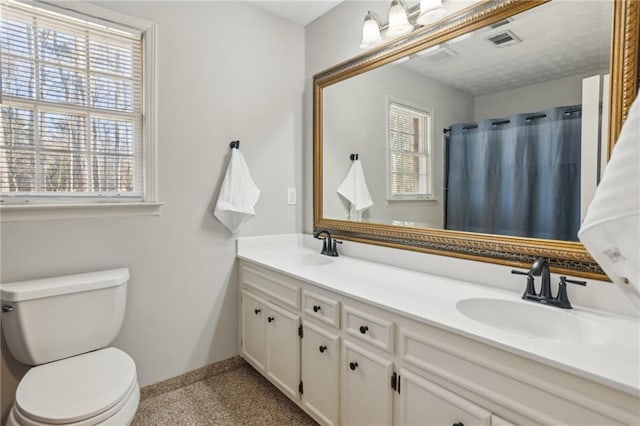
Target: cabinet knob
(353,365)
(270,319)
(364,329)
(323,348)
(257,311)
(316,308)
(458,424)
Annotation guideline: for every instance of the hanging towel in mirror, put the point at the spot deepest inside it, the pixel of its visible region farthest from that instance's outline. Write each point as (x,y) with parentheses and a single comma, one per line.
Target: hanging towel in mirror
(238,194)
(611,228)
(354,189)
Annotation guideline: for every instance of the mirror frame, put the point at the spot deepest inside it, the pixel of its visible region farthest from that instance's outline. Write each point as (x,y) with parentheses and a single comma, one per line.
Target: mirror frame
(563,256)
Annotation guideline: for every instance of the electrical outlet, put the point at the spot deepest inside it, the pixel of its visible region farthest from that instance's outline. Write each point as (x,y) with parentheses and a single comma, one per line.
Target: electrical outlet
(291,196)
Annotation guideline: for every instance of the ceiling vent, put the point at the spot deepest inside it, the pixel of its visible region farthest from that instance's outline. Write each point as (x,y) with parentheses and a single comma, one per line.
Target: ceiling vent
(506,38)
(439,56)
(500,23)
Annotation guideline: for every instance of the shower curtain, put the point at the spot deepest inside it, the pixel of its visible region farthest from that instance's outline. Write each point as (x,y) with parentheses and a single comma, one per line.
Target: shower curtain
(517,176)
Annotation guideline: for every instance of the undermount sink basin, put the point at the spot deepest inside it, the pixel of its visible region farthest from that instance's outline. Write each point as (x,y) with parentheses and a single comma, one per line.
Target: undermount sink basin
(309,259)
(533,321)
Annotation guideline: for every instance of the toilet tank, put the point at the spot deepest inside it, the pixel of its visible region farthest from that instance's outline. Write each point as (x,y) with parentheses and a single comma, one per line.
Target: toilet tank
(53,318)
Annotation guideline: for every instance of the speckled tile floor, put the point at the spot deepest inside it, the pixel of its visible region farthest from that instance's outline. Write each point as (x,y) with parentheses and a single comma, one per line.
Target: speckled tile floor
(238,397)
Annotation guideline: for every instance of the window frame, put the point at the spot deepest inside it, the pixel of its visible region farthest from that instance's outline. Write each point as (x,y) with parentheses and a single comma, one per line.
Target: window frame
(429,151)
(85,205)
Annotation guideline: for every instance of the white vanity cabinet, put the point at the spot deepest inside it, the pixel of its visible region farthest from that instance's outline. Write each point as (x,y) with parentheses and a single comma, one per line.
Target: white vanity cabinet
(319,368)
(283,349)
(270,341)
(366,392)
(271,327)
(300,357)
(254,317)
(421,401)
(345,360)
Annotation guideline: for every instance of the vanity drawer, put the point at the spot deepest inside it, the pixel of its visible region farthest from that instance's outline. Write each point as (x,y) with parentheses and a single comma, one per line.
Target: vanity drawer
(371,329)
(278,288)
(323,308)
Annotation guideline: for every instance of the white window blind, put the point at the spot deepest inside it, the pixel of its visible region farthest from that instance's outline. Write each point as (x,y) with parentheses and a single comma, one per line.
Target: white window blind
(409,148)
(71,108)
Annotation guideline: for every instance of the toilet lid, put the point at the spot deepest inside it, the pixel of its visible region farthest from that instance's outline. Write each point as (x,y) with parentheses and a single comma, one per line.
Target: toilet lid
(76,388)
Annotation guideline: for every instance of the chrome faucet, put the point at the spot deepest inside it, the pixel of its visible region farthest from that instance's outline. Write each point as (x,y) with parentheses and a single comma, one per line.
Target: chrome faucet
(540,268)
(329,245)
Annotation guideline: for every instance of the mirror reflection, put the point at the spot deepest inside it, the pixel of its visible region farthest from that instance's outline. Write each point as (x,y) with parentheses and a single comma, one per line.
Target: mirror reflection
(499,131)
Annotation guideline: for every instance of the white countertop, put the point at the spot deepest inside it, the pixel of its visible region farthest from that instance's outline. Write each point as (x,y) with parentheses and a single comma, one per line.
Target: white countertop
(432,300)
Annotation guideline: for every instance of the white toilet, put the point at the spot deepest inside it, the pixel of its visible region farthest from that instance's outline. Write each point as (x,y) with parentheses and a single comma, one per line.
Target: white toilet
(62,326)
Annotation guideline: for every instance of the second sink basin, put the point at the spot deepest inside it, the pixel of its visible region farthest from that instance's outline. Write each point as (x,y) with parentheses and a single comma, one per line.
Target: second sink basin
(533,321)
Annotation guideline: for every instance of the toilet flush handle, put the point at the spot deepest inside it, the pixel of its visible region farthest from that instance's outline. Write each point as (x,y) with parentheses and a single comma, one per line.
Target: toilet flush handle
(7,308)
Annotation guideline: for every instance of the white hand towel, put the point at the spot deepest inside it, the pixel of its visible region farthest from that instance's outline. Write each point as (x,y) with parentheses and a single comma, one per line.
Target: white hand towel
(238,194)
(611,228)
(354,189)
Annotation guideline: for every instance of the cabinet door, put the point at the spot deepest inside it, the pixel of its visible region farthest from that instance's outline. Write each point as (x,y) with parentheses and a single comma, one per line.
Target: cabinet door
(423,402)
(253,329)
(320,358)
(283,349)
(366,390)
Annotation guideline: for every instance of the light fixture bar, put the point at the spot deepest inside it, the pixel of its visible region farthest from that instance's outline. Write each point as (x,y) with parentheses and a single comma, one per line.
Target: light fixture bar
(401,20)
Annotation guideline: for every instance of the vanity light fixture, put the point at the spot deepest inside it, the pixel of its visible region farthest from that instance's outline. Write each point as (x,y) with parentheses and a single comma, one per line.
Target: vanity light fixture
(402,20)
(371,31)
(398,19)
(430,11)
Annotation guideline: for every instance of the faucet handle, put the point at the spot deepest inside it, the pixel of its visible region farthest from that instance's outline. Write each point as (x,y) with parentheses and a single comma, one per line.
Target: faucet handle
(564,280)
(562,299)
(530,291)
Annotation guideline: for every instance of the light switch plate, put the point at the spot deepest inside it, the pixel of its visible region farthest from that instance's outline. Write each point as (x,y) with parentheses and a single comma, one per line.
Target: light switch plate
(291,196)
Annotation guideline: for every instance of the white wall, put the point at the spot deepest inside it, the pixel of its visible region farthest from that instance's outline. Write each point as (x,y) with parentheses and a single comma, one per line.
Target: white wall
(354,120)
(225,71)
(532,98)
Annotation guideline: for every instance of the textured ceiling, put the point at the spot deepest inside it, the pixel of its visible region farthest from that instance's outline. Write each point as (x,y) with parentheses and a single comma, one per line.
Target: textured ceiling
(559,39)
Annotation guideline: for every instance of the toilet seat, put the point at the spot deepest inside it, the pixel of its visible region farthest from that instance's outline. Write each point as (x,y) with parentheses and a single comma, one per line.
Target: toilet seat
(82,390)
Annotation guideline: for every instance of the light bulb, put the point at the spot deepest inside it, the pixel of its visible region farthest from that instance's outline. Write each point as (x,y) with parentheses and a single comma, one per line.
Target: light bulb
(398,21)
(370,31)
(430,11)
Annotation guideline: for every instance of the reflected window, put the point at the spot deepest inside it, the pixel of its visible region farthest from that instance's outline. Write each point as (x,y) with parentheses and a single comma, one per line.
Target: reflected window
(409,147)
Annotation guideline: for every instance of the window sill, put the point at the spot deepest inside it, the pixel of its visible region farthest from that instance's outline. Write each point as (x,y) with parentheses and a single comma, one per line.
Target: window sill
(21,212)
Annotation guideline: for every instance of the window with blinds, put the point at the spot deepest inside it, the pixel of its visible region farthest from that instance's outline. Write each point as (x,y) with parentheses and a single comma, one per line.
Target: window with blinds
(71,108)
(409,146)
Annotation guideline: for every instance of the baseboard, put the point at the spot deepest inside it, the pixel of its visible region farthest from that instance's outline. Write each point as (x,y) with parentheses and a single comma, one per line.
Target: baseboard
(192,376)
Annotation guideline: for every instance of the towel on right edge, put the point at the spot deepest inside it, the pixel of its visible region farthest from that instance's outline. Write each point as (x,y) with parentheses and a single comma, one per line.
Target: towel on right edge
(611,228)
(354,189)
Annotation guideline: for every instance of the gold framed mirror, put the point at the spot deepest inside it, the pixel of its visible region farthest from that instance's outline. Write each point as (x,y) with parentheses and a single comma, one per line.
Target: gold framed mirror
(514,250)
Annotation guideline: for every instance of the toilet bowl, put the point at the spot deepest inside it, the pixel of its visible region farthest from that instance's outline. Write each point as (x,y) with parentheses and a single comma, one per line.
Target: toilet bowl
(62,325)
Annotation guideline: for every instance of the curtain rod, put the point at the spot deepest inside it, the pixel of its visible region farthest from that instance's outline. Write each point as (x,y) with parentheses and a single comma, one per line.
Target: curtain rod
(498,123)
